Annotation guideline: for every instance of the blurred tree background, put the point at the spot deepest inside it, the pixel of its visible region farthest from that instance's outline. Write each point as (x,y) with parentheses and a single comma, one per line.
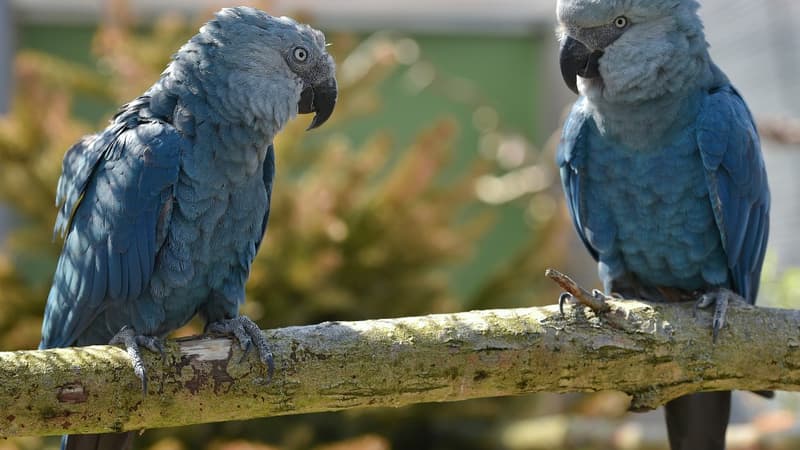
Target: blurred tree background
(419,196)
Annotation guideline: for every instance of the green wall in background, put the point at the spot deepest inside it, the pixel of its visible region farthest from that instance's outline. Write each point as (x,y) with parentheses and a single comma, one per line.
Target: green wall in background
(73,43)
(504,70)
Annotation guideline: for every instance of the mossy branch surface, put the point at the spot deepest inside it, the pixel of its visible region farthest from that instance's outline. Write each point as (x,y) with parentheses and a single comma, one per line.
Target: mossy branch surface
(662,352)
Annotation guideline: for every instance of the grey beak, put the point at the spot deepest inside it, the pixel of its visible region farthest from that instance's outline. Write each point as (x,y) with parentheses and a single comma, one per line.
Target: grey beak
(577,60)
(319,99)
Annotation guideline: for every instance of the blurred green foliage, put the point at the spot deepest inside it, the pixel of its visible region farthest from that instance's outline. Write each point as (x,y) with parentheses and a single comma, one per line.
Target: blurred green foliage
(359,228)
(780,286)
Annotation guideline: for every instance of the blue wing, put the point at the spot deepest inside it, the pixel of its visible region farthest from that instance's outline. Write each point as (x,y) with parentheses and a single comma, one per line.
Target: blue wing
(269,176)
(737,183)
(569,158)
(115,193)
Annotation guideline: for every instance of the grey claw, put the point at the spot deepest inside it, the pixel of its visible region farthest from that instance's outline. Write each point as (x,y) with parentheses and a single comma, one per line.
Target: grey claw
(128,338)
(720,313)
(704,301)
(562,299)
(151,343)
(249,335)
(707,300)
(720,299)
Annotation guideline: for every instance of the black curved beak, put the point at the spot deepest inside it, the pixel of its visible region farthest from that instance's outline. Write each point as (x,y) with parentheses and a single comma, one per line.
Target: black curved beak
(577,60)
(319,99)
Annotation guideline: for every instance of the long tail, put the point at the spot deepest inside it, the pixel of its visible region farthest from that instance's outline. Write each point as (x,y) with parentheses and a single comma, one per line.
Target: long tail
(698,421)
(107,441)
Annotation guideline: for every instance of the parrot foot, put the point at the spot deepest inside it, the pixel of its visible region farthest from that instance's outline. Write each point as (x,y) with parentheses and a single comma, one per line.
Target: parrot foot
(720,298)
(128,338)
(597,301)
(249,335)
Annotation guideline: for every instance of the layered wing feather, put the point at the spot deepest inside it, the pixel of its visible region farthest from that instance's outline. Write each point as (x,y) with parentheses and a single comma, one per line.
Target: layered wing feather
(569,158)
(269,176)
(737,184)
(115,192)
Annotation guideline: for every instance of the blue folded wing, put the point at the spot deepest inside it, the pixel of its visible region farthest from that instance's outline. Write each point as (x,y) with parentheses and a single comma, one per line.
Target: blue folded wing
(569,157)
(115,191)
(737,183)
(269,177)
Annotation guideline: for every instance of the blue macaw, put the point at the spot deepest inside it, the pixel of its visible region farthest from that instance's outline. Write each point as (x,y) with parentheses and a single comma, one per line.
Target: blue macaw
(662,169)
(165,209)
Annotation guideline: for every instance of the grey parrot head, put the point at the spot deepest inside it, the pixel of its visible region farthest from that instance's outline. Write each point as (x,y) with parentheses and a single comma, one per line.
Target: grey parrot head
(629,50)
(266,67)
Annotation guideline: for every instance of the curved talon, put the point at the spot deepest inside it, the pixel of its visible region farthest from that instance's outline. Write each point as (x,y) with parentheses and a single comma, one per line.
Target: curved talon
(151,343)
(128,338)
(596,300)
(563,298)
(249,335)
(704,301)
(601,301)
(720,298)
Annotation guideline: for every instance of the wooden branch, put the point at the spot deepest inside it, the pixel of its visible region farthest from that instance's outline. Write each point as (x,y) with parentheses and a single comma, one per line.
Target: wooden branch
(662,352)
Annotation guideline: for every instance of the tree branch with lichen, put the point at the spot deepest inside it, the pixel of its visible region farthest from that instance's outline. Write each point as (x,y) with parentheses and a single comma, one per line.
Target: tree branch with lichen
(663,351)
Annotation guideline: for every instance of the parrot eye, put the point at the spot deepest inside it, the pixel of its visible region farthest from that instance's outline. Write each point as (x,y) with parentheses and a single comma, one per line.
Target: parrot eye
(621,22)
(300,54)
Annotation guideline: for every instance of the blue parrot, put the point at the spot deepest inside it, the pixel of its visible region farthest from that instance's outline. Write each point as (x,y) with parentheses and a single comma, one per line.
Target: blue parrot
(164,210)
(662,169)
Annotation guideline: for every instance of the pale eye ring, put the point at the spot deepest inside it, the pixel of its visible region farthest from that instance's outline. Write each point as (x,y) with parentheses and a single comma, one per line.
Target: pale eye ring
(621,22)
(300,54)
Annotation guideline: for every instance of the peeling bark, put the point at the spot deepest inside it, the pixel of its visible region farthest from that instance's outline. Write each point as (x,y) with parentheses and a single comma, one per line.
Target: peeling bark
(660,353)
